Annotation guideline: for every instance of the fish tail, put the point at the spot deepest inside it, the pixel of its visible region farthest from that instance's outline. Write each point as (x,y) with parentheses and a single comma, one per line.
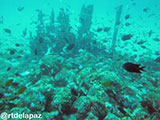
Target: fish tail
(142,68)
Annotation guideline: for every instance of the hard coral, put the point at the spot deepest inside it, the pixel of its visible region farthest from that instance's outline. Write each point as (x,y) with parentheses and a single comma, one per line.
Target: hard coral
(99,110)
(67,108)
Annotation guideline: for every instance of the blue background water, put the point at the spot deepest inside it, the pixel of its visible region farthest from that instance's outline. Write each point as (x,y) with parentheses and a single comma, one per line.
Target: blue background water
(104,14)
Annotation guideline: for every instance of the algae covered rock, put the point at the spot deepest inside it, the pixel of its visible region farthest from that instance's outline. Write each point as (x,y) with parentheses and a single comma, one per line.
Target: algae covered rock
(50,60)
(109,76)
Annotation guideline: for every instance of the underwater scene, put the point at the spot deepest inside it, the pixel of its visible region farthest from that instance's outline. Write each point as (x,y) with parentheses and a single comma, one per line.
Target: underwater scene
(80,59)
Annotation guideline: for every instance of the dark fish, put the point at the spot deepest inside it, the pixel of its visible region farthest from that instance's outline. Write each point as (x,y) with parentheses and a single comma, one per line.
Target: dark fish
(41,40)
(24,32)
(141,42)
(17,44)
(35,51)
(99,29)
(156,39)
(131,67)
(143,46)
(145,9)
(12,52)
(127,16)
(70,46)
(20,8)
(7,30)
(17,74)
(1,19)
(106,29)
(158,59)
(150,33)
(8,69)
(127,24)
(127,37)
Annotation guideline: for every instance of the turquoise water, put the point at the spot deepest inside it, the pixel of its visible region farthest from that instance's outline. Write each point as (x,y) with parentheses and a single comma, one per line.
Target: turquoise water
(80,60)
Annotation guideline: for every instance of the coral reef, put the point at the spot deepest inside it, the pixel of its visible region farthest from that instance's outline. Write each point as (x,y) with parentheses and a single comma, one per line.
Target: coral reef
(69,76)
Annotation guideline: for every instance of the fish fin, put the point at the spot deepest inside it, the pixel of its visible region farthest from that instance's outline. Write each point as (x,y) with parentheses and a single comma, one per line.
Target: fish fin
(138,65)
(142,68)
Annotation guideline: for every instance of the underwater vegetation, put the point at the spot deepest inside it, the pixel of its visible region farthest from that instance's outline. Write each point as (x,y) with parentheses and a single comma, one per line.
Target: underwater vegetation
(70,73)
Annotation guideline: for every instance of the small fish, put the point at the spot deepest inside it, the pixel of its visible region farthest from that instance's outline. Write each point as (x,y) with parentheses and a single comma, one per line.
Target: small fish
(1,19)
(12,52)
(17,44)
(127,37)
(17,74)
(127,16)
(7,30)
(99,29)
(21,90)
(150,33)
(156,39)
(127,24)
(8,69)
(70,46)
(35,51)
(145,9)
(143,46)
(141,42)
(158,59)
(24,32)
(131,67)
(106,29)
(41,40)
(107,83)
(20,8)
